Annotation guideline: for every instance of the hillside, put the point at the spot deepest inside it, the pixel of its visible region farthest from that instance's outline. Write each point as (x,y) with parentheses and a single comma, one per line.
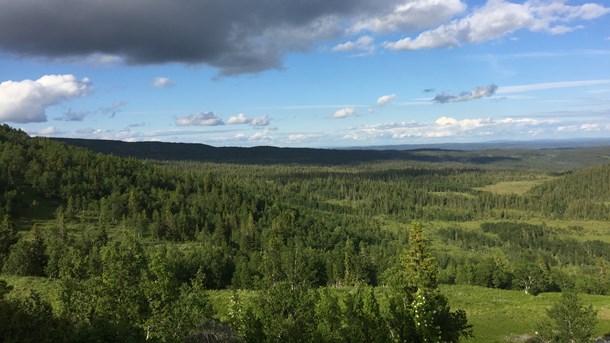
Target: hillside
(555,157)
(80,219)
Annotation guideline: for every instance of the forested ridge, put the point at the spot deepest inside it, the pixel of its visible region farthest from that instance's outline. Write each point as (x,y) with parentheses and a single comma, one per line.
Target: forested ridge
(135,244)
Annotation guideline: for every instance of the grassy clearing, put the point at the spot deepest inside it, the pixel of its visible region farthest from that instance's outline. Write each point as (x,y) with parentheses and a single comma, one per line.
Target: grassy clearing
(48,289)
(496,315)
(499,315)
(581,230)
(446,194)
(512,187)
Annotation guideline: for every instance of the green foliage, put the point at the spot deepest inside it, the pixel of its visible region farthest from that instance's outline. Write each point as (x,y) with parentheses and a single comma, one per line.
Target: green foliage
(28,256)
(569,320)
(421,313)
(129,237)
(187,315)
(137,297)
(8,237)
(287,313)
(29,319)
(362,318)
(243,320)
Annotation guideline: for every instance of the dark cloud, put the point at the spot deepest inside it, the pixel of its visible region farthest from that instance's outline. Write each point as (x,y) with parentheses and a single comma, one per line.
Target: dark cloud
(428,90)
(113,109)
(237,36)
(75,116)
(477,93)
(109,111)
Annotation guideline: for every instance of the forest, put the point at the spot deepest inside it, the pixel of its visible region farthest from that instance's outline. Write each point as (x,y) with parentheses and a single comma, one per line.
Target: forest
(96,247)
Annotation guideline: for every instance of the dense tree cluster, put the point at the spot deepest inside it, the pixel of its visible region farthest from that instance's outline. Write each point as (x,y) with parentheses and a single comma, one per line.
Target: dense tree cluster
(134,243)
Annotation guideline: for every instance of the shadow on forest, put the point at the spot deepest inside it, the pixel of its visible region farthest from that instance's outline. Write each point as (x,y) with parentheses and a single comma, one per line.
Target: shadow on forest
(274,155)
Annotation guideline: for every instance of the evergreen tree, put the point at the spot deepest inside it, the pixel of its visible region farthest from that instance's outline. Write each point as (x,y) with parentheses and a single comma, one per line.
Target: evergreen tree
(569,321)
(8,237)
(420,312)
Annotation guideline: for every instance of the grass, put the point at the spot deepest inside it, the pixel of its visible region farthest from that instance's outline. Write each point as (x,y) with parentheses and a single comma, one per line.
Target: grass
(581,230)
(48,289)
(499,315)
(512,187)
(462,194)
(496,315)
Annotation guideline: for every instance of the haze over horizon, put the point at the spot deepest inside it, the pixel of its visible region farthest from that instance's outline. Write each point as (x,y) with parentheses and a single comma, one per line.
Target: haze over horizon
(306,73)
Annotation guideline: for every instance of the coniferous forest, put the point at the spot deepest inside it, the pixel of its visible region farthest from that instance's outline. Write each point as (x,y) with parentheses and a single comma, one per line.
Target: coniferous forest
(373,248)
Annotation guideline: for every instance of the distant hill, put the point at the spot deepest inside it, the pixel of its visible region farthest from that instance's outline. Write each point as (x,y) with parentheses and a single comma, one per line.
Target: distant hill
(268,154)
(500,145)
(545,155)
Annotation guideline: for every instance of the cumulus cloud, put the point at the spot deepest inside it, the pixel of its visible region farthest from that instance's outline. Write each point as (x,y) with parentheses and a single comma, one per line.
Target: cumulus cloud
(162,82)
(26,101)
(200,119)
(300,137)
(498,18)
(261,136)
(477,93)
(365,44)
(589,127)
(444,127)
(131,134)
(237,36)
(242,36)
(345,112)
(260,121)
(47,131)
(385,99)
(411,15)
(238,119)
(243,119)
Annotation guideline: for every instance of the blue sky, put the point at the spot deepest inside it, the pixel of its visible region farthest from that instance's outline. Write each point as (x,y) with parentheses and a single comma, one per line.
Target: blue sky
(306,73)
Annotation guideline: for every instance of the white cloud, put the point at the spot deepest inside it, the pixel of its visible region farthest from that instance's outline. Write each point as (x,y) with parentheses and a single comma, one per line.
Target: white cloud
(549,85)
(364,43)
(345,112)
(411,15)
(26,101)
(589,127)
(238,119)
(47,131)
(261,136)
(200,119)
(299,137)
(443,127)
(162,82)
(243,119)
(260,121)
(385,99)
(568,128)
(498,18)
(443,121)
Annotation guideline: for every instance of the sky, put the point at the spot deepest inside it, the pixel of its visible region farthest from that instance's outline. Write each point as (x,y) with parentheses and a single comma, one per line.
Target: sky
(306,73)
